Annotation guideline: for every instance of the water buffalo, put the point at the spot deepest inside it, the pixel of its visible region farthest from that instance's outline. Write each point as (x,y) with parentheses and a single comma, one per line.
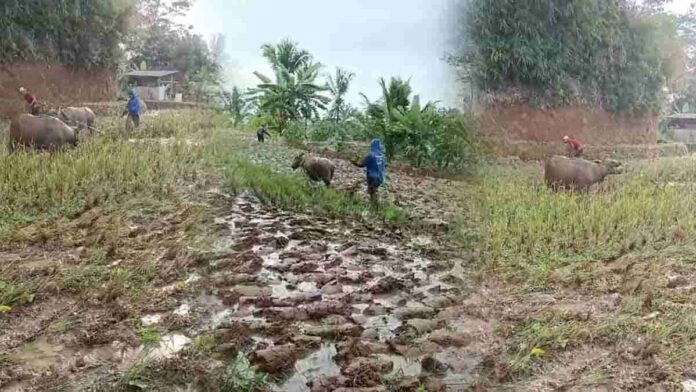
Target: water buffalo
(40,132)
(317,169)
(79,117)
(575,173)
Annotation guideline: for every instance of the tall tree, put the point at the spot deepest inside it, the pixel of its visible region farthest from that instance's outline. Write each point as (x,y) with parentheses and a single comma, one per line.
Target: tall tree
(338,85)
(217,48)
(287,55)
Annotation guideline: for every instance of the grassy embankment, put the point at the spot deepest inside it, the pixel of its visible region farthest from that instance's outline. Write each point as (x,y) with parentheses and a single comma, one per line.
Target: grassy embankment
(632,240)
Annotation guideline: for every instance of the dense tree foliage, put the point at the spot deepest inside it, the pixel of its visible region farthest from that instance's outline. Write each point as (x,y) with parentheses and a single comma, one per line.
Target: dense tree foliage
(109,34)
(161,43)
(83,33)
(606,53)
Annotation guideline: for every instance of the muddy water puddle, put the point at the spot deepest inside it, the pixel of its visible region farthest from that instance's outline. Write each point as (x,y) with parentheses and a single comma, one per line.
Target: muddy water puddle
(402,366)
(319,364)
(43,354)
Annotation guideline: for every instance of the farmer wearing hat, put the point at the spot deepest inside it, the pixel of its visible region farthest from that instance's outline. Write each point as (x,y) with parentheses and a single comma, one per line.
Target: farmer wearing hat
(575,149)
(32,103)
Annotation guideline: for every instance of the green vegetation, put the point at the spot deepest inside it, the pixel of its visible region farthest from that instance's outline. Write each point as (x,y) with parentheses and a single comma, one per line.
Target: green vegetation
(293,93)
(236,106)
(240,376)
(16,293)
(149,335)
(110,35)
(421,135)
(84,33)
(338,85)
(289,191)
(159,41)
(527,228)
(606,54)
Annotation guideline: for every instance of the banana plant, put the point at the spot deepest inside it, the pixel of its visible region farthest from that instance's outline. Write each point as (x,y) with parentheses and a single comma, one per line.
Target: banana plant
(291,96)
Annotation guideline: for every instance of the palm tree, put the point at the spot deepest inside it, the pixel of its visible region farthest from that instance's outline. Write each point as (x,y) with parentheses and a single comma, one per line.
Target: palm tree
(397,94)
(286,54)
(291,96)
(338,87)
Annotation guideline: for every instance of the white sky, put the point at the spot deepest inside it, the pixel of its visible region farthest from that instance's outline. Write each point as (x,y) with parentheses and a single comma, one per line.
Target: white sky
(372,38)
(679,6)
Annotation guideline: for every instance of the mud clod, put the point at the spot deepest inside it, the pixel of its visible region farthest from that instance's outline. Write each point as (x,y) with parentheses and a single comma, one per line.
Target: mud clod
(275,359)
(366,371)
(447,338)
(334,331)
(387,285)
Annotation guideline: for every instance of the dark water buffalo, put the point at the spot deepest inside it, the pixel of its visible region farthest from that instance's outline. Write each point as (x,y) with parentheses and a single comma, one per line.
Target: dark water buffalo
(40,132)
(317,169)
(79,117)
(575,173)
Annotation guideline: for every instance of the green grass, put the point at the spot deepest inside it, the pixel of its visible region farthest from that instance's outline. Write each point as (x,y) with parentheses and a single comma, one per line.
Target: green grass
(528,231)
(149,335)
(16,293)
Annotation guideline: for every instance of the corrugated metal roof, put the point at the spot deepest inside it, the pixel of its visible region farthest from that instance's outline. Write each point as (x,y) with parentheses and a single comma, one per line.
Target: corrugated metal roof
(151,74)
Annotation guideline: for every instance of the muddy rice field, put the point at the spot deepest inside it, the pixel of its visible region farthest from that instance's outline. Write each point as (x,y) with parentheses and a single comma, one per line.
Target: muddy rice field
(215,289)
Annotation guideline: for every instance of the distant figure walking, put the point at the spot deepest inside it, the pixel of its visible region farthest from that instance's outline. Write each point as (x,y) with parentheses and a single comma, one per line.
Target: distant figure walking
(575,149)
(262,133)
(32,103)
(374,164)
(132,110)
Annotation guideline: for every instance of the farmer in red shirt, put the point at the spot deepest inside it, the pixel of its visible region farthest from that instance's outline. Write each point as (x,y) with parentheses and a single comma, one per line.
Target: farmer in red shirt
(32,102)
(574,147)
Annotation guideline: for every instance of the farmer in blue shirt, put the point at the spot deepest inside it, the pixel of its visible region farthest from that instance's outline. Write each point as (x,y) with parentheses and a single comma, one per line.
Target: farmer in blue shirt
(132,110)
(374,169)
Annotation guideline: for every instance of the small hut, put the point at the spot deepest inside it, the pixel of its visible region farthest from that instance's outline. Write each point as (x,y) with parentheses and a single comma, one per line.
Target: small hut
(681,127)
(154,85)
